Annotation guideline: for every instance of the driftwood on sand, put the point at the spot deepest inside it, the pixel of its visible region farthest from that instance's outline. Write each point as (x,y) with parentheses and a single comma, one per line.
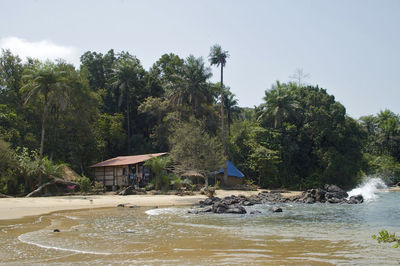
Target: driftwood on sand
(53,187)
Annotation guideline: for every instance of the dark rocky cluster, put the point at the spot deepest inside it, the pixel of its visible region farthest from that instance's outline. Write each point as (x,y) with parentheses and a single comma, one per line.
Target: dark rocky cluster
(235,204)
(330,194)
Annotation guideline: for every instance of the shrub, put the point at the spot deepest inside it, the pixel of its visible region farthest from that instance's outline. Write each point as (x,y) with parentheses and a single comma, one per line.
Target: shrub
(385,237)
(85,184)
(187,184)
(99,187)
(218,185)
(149,186)
(176,182)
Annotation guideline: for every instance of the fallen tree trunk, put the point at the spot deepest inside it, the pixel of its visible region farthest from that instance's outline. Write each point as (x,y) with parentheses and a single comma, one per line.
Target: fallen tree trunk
(54,186)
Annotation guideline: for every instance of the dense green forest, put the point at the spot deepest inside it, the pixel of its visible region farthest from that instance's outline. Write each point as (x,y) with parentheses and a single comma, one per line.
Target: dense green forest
(52,113)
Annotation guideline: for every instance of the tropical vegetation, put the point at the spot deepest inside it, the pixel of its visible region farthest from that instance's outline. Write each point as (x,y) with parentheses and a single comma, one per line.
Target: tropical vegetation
(55,113)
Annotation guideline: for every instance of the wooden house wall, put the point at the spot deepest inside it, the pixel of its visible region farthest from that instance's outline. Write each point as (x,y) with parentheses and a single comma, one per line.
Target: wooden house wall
(104,175)
(111,176)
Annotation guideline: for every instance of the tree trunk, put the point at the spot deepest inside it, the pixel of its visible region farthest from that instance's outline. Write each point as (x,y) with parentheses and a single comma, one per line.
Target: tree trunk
(229,121)
(43,127)
(223,125)
(128,118)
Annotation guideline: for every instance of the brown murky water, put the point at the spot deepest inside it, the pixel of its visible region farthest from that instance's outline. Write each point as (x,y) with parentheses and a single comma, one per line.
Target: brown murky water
(316,234)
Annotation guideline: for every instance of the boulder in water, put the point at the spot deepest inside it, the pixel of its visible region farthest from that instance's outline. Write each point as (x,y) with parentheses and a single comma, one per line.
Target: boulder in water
(277,209)
(236,210)
(336,191)
(356,199)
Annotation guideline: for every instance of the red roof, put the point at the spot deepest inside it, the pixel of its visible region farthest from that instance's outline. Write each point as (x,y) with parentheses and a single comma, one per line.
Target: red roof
(126,160)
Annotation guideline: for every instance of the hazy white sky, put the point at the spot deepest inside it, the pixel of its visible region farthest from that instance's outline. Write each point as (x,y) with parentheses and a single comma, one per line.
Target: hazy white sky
(351,48)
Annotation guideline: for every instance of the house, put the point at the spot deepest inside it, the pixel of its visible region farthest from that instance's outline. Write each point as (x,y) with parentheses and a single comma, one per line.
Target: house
(235,177)
(124,170)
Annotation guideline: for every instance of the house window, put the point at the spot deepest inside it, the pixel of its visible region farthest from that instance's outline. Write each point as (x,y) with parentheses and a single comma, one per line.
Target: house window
(123,171)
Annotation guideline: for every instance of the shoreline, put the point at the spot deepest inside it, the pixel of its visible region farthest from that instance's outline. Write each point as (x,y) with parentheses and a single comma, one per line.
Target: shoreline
(17,208)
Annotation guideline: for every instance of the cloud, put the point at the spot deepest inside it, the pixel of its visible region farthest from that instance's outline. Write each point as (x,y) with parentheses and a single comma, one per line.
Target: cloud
(43,50)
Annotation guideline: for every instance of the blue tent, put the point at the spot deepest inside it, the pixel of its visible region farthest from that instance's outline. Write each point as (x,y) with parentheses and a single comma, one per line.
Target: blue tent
(232,171)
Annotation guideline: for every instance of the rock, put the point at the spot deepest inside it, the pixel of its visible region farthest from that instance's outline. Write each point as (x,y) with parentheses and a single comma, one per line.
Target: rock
(206,209)
(121,205)
(56,230)
(336,191)
(255,212)
(133,207)
(334,200)
(320,195)
(219,210)
(236,210)
(247,203)
(208,201)
(309,200)
(356,199)
(277,209)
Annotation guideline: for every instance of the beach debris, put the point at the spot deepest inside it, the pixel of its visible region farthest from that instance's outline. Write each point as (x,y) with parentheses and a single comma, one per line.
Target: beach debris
(54,187)
(121,205)
(56,230)
(132,191)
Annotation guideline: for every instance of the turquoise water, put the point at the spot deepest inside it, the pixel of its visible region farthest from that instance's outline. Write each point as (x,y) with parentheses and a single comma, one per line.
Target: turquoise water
(302,234)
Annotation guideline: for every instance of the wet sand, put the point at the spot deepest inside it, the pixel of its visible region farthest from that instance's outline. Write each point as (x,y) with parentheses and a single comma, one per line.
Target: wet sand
(14,208)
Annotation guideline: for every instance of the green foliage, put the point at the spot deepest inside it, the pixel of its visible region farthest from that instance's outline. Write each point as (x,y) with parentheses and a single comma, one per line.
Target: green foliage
(193,149)
(158,165)
(252,149)
(187,184)
(385,237)
(149,187)
(85,184)
(176,182)
(218,185)
(387,167)
(99,187)
(110,106)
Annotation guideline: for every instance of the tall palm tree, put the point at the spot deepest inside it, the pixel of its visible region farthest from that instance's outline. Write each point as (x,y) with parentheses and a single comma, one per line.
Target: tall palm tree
(190,86)
(48,81)
(125,77)
(218,57)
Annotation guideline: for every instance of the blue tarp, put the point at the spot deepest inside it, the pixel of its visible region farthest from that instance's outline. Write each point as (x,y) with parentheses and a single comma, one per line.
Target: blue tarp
(232,171)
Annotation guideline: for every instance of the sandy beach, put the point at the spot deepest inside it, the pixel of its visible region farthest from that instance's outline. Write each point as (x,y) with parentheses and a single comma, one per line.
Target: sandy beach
(14,208)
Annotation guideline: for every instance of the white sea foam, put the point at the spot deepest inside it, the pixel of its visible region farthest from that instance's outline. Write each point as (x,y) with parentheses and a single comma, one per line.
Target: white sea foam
(24,239)
(159,211)
(368,188)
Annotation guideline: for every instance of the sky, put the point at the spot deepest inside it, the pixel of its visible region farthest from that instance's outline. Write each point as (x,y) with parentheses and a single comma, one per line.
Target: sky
(351,48)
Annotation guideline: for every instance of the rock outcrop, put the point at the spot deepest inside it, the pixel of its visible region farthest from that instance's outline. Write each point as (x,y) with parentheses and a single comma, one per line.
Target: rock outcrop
(237,204)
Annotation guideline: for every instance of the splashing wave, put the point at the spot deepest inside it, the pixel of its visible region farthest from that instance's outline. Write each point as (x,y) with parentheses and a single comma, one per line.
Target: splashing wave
(368,188)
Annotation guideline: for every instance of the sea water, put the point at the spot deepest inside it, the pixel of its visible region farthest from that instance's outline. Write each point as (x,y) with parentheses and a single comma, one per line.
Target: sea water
(301,234)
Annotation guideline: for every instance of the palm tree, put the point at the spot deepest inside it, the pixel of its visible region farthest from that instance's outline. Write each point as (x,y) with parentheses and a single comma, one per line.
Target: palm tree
(279,105)
(48,81)
(157,165)
(388,131)
(231,107)
(190,86)
(218,57)
(125,76)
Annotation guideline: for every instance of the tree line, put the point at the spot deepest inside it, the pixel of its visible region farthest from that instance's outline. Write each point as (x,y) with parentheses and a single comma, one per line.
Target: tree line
(54,113)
